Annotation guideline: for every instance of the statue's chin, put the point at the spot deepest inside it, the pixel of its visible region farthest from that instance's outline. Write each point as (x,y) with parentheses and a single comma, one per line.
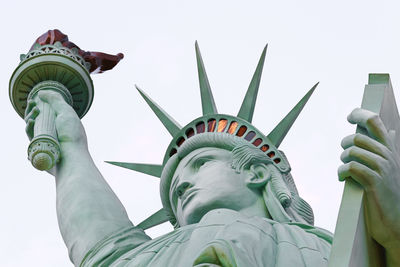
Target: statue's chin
(195,210)
(192,213)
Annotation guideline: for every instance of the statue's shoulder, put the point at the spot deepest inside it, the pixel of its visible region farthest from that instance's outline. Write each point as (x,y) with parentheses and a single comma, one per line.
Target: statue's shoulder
(129,244)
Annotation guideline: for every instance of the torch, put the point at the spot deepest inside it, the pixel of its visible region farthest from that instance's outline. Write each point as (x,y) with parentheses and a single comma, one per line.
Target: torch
(54,63)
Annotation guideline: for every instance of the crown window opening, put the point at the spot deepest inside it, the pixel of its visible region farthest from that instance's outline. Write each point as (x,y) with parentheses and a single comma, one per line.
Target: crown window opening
(250,136)
(189,132)
(271,154)
(264,148)
(211,125)
(200,127)
(180,141)
(241,131)
(257,142)
(222,125)
(232,127)
(277,160)
(173,151)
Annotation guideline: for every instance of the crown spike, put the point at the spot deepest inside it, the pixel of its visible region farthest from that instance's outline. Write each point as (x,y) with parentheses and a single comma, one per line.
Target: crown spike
(150,169)
(157,218)
(280,131)
(172,126)
(207,99)
(249,102)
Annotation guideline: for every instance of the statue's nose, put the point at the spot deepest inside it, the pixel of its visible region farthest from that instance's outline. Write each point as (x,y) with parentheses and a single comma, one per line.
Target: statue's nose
(182,187)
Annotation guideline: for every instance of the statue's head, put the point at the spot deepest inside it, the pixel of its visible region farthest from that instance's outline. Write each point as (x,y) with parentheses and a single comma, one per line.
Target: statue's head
(205,180)
(220,170)
(223,161)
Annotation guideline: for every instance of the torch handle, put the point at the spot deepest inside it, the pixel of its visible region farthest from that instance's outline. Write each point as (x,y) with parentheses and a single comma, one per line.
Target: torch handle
(44,149)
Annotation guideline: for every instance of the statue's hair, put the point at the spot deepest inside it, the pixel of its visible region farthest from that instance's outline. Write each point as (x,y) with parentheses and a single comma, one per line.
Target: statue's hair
(243,157)
(282,184)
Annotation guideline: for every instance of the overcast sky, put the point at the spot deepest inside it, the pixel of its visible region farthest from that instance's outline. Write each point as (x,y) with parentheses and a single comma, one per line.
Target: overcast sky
(336,43)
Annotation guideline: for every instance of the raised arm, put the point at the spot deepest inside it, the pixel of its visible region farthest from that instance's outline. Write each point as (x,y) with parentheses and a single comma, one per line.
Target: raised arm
(87,208)
(374,163)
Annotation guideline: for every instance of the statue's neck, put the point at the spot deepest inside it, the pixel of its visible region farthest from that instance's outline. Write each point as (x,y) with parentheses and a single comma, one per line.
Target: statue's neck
(225,216)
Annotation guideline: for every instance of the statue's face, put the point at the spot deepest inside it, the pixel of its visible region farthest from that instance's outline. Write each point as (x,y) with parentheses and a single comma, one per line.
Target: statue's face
(204,180)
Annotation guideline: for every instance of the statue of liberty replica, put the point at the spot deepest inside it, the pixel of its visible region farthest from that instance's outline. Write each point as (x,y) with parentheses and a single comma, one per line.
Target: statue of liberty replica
(225,186)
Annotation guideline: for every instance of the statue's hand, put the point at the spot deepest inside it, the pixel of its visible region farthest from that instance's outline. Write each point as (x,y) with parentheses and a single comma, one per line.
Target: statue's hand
(374,163)
(69,128)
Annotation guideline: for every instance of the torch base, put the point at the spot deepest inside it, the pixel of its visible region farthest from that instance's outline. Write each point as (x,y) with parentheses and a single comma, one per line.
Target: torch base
(44,152)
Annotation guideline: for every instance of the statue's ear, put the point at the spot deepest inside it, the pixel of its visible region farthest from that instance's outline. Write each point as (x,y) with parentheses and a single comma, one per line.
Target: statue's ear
(258,176)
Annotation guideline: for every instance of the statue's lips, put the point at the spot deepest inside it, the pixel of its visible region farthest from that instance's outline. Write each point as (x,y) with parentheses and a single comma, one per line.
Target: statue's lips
(188,196)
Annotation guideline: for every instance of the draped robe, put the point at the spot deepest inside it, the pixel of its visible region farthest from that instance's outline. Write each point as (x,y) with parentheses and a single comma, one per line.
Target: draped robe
(222,238)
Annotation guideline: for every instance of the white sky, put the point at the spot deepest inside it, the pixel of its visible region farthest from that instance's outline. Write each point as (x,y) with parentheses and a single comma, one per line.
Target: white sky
(335,42)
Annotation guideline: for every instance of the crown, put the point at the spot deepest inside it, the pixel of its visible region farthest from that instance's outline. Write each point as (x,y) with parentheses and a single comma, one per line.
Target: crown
(227,131)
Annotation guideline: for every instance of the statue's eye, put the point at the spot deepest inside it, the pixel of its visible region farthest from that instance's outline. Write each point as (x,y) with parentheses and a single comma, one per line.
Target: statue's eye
(200,163)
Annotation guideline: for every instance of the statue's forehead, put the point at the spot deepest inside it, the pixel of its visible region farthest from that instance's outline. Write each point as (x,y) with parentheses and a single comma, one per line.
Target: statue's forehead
(214,152)
(204,152)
